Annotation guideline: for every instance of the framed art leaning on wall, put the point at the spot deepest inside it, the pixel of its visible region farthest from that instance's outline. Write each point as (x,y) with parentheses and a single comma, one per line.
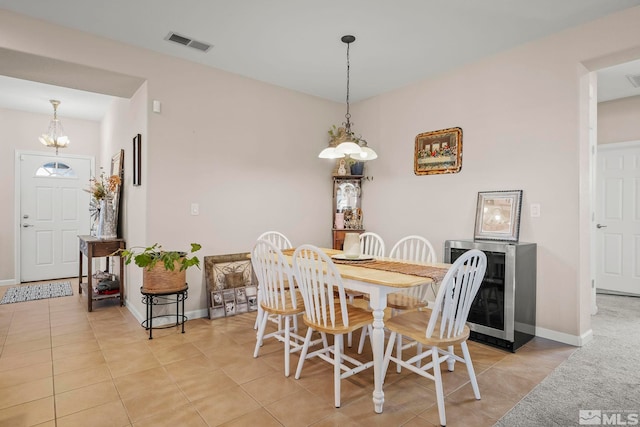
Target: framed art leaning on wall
(498,215)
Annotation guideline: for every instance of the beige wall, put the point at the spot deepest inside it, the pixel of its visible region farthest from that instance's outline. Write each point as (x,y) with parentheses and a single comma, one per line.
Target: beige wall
(520,115)
(619,120)
(246,152)
(125,119)
(20,131)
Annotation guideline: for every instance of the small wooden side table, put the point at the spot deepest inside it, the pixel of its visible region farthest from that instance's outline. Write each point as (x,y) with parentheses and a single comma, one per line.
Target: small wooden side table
(91,246)
(161,297)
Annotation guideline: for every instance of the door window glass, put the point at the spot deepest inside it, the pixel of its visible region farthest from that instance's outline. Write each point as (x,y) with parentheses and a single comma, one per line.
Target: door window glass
(56,169)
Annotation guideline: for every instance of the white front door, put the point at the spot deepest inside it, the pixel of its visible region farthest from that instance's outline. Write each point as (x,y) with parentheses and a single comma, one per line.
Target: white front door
(54,210)
(618,218)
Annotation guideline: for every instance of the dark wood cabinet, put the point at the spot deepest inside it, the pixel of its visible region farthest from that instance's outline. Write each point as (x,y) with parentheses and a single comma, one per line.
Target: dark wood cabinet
(347,207)
(93,247)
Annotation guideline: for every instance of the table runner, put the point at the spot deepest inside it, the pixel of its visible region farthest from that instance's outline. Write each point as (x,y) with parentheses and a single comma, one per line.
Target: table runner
(432,272)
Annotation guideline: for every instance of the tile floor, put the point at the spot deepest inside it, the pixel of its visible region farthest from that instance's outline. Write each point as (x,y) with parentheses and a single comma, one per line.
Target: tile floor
(62,366)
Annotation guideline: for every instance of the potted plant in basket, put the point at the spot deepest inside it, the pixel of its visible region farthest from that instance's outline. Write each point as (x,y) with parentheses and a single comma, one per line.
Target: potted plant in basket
(162,270)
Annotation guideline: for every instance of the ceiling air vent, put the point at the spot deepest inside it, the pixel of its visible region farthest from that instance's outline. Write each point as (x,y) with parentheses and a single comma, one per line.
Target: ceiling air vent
(186,41)
(634,79)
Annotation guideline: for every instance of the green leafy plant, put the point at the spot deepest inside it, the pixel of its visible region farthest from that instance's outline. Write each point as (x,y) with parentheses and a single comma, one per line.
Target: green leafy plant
(151,255)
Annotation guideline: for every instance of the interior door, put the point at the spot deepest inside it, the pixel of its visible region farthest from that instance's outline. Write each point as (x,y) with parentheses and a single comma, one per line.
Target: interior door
(54,210)
(618,218)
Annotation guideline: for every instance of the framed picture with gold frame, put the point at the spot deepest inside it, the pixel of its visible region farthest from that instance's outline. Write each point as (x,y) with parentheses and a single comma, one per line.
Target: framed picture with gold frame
(438,152)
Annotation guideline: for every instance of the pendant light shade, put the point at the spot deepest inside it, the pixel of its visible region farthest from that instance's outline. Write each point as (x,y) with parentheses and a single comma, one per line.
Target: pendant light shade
(330,153)
(366,154)
(55,136)
(348,148)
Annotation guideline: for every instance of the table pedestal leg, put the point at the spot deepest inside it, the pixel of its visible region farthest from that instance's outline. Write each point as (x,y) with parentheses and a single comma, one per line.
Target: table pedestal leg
(378,304)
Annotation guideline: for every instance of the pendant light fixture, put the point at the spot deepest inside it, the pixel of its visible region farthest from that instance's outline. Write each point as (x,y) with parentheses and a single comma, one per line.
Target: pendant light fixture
(55,137)
(350,146)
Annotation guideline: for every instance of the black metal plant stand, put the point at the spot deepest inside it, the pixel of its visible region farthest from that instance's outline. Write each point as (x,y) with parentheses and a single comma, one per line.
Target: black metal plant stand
(155,297)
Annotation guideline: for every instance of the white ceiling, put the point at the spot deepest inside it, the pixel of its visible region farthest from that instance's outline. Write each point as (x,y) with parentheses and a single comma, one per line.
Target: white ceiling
(296,44)
(614,84)
(24,95)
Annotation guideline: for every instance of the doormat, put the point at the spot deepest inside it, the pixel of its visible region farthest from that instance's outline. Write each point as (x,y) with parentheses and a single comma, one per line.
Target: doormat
(34,292)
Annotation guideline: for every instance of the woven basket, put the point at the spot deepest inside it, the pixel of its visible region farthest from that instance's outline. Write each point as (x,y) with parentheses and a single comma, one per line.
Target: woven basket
(160,279)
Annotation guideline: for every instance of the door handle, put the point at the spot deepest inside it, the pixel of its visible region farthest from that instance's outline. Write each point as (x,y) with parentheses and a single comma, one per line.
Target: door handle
(27,225)
(601,226)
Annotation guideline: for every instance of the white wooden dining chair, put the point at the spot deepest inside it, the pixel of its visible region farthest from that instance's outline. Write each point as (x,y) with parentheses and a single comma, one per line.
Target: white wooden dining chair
(439,329)
(413,249)
(319,282)
(276,298)
(281,242)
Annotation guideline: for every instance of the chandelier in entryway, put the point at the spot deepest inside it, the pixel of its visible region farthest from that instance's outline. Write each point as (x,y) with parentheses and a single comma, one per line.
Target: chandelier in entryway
(55,137)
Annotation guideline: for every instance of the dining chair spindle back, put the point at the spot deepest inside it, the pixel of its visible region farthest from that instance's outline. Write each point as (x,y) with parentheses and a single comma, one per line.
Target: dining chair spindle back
(277,238)
(416,249)
(413,248)
(371,244)
(280,241)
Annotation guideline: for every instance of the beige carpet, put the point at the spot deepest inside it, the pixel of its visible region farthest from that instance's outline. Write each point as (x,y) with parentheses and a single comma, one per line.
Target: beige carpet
(598,382)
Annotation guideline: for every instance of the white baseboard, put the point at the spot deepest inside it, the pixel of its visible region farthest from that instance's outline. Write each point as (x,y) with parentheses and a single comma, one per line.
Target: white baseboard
(198,314)
(586,337)
(139,316)
(7,282)
(574,340)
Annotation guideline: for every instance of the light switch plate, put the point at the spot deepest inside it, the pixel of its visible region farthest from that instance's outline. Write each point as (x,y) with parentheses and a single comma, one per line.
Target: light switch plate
(535,210)
(195,209)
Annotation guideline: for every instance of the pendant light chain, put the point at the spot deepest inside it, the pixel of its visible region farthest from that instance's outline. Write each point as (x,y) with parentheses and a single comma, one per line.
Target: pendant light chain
(348,115)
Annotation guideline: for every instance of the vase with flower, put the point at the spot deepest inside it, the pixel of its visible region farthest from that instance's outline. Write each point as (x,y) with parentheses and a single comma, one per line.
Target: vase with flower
(104,190)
